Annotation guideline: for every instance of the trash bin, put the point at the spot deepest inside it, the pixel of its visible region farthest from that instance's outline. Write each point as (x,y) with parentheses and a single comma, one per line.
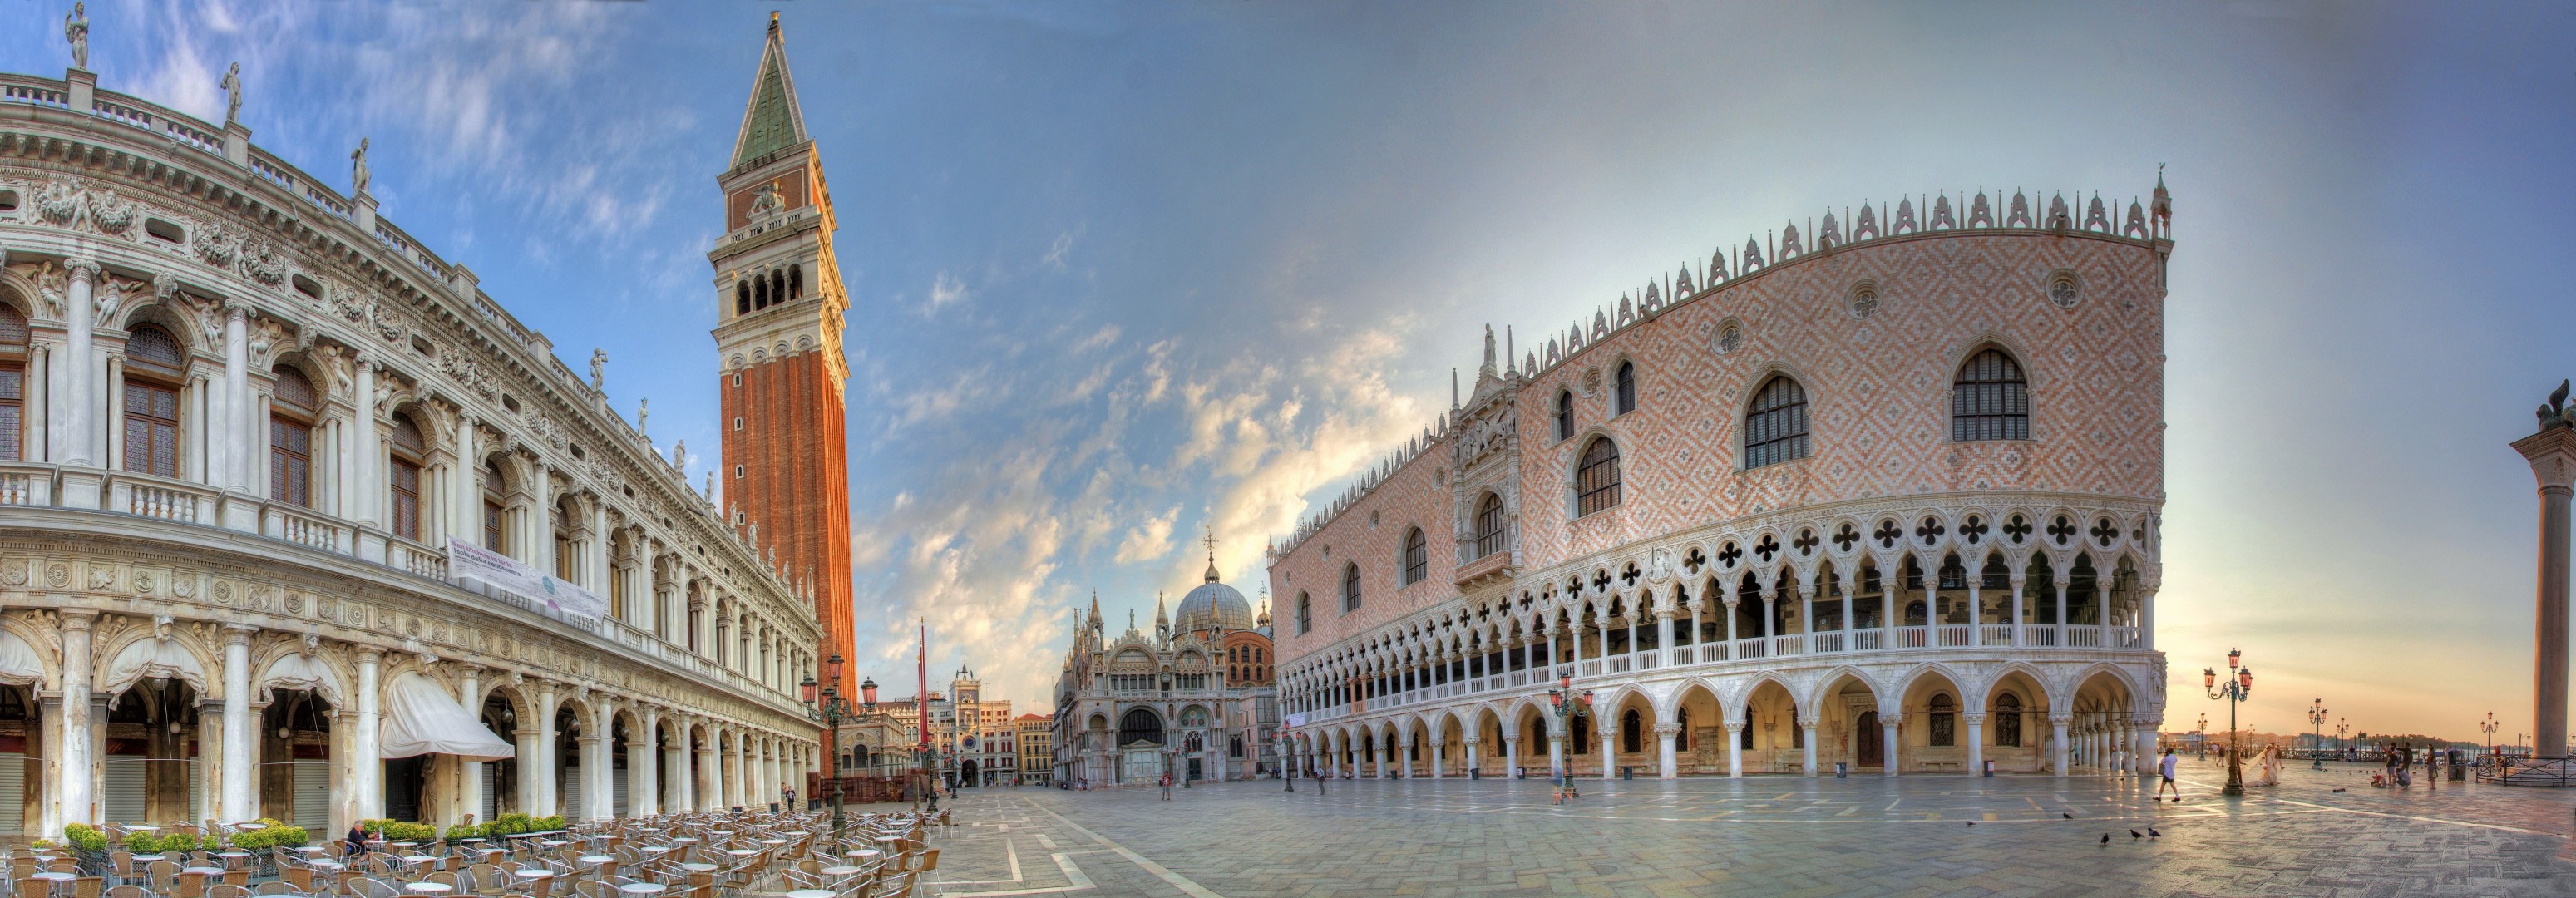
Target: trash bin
(1990,768)
(1627,772)
(1840,769)
(1475,774)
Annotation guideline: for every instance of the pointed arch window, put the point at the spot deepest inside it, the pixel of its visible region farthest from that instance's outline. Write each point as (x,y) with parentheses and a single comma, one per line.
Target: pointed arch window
(494,516)
(1350,588)
(795,281)
(1305,613)
(1417,556)
(1775,426)
(2008,721)
(291,408)
(742,297)
(1596,480)
(1489,525)
(1565,415)
(1627,387)
(1990,400)
(1945,722)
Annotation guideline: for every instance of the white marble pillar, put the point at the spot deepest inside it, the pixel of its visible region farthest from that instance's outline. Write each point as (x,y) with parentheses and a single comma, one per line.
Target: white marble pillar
(732,784)
(541,775)
(366,485)
(2057,744)
(1889,761)
(2147,618)
(643,767)
(2017,612)
(77,783)
(469,774)
(1439,751)
(675,765)
(1809,745)
(465,520)
(366,763)
(1734,749)
(531,739)
(240,771)
(1609,733)
(82,407)
(2146,729)
(2060,583)
(1404,760)
(1976,610)
(1976,743)
(597,803)
(707,794)
(1666,763)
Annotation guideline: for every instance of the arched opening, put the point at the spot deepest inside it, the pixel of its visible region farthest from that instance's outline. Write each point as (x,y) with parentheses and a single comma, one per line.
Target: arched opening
(795,281)
(500,778)
(13,394)
(406,448)
(1140,746)
(151,769)
(295,775)
(1417,556)
(1564,415)
(155,367)
(742,297)
(1775,425)
(291,410)
(1489,525)
(1989,400)
(1596,478)
(1626,393)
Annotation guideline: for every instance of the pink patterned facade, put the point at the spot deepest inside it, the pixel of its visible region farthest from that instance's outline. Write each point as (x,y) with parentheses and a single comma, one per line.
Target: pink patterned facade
(1888,501)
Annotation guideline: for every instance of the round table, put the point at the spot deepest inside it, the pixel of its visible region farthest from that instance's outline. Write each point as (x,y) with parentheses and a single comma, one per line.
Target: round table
(642,888)
(234,855)
(842,871)
(428,888)
(60,877)
(866,854)
(773,841)
(202,871)
(326,864)
(699,868)
(684,840)
(810,893)
(254,824)
(597,859)
(149,858)
(532,874)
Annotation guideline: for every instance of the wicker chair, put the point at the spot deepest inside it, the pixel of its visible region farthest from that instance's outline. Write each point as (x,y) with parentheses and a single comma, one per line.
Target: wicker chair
(88,886)
(191,885)
(227,891)
(277,887)
(128,891)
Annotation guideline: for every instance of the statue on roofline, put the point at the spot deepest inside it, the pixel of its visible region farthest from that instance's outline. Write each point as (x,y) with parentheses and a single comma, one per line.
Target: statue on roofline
(76,30)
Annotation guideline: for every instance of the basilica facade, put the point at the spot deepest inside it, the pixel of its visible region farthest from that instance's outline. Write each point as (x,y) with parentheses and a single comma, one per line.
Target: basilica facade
(253,433)
(1881,498)
(1195,698)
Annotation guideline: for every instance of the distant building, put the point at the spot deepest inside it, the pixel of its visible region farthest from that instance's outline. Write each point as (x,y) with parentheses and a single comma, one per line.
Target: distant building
(1037,748)
(1196,697)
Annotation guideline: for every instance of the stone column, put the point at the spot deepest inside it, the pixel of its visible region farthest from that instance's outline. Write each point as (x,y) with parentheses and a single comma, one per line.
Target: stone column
(643,766)
(733,773)
(1734,745)
(1439,748)
(1806,619)
(2057,743)
(675,763)
(240,771)
(2017,639)
(1511,756)
(708,794)
(1608,731)
(2059,581)
(366,764)
(1810,725)
(2552,454)
(365,485)
(1666,766)
(465,494)
(1404,758)
(81,405)
(1730,624)
(540,776)
(531,738)
(74,763)
(1888,759)
(1976,742)
(596,803)
(469,774)
(2146,729)
(1976,610)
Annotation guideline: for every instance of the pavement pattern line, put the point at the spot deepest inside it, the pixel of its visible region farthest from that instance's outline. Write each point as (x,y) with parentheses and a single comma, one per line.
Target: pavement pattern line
(1183,883)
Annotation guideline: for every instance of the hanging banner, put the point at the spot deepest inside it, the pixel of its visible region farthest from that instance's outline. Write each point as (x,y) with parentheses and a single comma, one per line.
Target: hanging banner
(552,597)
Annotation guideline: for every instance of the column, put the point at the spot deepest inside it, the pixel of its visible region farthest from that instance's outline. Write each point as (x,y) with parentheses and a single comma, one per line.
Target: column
(365,486)
(1439,748)
(240,771)
(708,794)
(1385,756)
(2057,743)
(1810,725)
(597,803)
(2147,618)
(1404,758)
(1976,742)
(2552,453)
(733,773)
(542,773)
(532,749)
(1665,766)
(1976,609)
(2060,583)
(469,774)
(2145,729)
(465,496)
(1889,761)
(77,414)
(74,763)
(236,433)
(1511,756)
(643,767)
(1730,624)
(365,763)
(1556,755)
(1734,745)
(538,532)
(2118,754)
(1807,619)
(1891,590)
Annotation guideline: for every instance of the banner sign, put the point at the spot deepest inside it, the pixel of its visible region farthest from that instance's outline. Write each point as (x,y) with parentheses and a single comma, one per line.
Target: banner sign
(553,598)
(1296,720)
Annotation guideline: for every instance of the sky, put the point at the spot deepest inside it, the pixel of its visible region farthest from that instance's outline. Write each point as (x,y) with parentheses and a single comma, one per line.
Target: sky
(1127,273)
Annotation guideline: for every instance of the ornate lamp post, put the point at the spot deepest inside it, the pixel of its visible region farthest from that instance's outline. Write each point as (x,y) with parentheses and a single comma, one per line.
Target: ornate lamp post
(2240,682)
(2488,726)
(829,708)
(1287,771)
(2317,733)
(2342,744)
(1568,705)
(2201,730)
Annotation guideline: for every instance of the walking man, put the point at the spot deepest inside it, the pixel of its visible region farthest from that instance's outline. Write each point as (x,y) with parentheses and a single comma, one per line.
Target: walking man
(1167,785)
(2167,766)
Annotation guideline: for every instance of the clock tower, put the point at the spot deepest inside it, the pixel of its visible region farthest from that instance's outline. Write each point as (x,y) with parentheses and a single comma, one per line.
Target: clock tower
(779,305)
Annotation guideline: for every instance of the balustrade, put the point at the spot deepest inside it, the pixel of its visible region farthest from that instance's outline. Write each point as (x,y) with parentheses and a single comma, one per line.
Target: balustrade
(297,525)
(1756,647)
(1618,665)
(1997,634)
(2041,636)
(2083,636)
(155,497)
(1911,637)
(1828,641)
(1955,635)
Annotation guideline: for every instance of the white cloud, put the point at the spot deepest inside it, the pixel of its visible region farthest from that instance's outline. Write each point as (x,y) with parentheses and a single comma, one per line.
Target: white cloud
(1150,540)
(944,291)
(1058,251)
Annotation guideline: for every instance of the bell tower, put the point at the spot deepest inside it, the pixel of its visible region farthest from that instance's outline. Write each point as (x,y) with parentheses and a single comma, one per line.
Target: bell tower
(779,305)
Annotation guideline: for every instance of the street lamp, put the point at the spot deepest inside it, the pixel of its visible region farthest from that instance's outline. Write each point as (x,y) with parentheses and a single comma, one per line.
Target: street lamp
(2240,682)
(2489,727)
(828,709)
(1568,705)
(2317,733)
(2342,744)
(2200,744)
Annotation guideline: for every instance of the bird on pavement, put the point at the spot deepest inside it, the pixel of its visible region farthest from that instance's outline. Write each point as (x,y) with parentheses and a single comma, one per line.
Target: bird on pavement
(2153,834)
(2066,815)
(2106,838)
(2134,835)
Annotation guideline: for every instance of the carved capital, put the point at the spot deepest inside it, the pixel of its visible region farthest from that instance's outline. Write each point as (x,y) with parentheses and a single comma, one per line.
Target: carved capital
(82,269)
(1668,730)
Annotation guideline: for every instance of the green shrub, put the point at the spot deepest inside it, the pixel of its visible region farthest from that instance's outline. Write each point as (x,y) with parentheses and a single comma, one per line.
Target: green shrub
(550,824)
(85,837)
(274,833)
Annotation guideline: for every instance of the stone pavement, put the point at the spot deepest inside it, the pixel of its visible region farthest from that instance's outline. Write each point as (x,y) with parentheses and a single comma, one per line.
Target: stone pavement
(1924,835)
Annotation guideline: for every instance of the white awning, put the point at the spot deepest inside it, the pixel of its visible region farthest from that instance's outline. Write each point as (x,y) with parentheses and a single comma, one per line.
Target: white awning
(422,719)
(19,663)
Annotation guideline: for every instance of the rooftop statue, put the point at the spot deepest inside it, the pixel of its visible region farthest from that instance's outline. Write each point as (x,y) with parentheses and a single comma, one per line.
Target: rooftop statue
(76,30)
(358,175)
(232,93)
(2555,414)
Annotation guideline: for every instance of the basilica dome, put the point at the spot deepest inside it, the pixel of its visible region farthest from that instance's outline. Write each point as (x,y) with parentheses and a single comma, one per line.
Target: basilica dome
(1212,606)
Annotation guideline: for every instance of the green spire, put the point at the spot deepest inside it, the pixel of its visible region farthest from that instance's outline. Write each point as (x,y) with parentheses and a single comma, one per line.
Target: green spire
(771,121)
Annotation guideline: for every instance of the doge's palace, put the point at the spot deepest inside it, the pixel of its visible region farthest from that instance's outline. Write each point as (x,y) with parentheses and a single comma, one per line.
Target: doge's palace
(1881,497)
(242,415)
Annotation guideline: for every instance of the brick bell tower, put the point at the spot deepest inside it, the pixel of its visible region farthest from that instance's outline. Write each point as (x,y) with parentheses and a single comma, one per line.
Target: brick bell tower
(779,303)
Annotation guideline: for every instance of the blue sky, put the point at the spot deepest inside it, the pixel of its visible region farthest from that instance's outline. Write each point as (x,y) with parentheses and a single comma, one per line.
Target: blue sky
(1121,272)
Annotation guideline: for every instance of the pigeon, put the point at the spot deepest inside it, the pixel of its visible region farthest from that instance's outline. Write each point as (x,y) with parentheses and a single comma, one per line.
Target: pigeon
(1972,823)
(2106,838)
(2134,835)
(2338,790)
(2153,834)
(2066,815)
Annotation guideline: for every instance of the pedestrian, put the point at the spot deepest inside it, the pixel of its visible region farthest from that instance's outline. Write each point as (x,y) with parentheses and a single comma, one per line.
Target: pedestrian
(2169,766)
(1167,786)
(1319,782)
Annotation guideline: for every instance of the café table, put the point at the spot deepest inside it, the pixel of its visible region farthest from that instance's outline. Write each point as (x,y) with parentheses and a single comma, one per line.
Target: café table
(428,888)
(641,888)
